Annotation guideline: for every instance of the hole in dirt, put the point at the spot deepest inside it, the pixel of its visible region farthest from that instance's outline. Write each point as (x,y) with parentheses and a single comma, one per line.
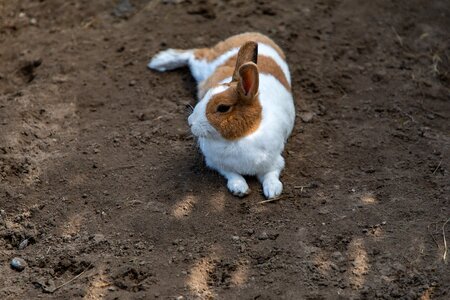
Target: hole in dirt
(17,167)
(27,70)
(16,237)
(68,264)
(221,274)
(130,279)
(227,273)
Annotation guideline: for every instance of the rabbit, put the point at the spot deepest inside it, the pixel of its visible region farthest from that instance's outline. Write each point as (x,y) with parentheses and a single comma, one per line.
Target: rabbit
(245,111)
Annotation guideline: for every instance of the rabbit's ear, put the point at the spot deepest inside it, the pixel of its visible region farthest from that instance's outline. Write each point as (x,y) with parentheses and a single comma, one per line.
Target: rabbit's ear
(247,53)
(248,82)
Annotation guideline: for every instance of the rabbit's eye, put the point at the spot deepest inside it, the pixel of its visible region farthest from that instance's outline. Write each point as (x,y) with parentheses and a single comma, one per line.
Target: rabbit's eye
(223,108)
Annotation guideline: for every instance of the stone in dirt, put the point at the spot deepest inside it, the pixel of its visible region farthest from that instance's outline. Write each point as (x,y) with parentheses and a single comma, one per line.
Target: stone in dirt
(23,244)
(18,264)
(306,116)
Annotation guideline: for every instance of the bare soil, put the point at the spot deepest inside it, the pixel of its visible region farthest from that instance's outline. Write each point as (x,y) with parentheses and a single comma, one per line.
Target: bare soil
(100,174)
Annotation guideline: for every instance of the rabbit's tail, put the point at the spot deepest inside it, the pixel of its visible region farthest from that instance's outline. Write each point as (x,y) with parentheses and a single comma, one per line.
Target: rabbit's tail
(170,59)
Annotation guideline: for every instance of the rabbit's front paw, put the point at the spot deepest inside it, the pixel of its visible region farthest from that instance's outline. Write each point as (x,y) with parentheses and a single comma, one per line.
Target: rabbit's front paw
(272,187)
(238,187)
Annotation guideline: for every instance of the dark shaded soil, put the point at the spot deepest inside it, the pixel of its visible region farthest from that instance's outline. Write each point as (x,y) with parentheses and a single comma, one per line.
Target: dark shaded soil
(99,171)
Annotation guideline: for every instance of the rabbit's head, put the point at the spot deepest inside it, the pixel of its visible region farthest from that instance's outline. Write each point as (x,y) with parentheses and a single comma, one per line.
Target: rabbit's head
(231,110)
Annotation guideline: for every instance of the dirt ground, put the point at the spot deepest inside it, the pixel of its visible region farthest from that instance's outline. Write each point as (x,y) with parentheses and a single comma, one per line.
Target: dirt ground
(100,175)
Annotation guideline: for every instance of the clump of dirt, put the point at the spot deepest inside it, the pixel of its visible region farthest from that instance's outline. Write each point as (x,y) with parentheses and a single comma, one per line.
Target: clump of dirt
(104,194)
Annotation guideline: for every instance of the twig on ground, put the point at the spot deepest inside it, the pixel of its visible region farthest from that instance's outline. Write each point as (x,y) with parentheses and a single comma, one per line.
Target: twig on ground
(271,200)
(437,167)
(301,187)
(444,256)
(405,113)
(434,67)
(309,186)
(432,236)
(69,281)
(88,23)
(399,38)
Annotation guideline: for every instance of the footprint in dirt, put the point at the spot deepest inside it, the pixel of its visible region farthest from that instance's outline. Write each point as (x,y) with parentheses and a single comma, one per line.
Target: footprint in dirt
(131,279)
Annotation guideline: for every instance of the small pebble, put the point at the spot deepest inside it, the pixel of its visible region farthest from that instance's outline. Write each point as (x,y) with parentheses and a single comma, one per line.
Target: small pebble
(337,256)
(430,116)
(263,236)
(132,83)
(18,264)
(99,238)
(249,231)
(123,8)
(23,244)
(306,116)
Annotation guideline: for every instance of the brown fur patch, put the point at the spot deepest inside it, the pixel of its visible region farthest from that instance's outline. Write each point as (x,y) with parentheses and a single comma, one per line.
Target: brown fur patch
(219,75)
(237,112)
(234,42)
(243,118)
(248,81)
(248,52)
(266,65)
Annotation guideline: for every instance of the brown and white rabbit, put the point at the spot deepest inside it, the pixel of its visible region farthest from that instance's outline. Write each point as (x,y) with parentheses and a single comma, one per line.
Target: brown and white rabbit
(245,111)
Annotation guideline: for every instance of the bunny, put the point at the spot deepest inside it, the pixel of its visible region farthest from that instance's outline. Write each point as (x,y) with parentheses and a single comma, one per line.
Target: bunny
(245,112)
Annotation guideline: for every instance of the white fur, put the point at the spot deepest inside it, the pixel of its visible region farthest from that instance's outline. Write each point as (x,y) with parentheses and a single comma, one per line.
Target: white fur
(202,69)
(256,154)
(259,152)
(198,121)
(170,59)
(236,184)
(268,51)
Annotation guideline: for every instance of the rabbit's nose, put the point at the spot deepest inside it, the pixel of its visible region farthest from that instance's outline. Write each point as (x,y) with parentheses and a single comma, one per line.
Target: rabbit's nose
(190,120)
